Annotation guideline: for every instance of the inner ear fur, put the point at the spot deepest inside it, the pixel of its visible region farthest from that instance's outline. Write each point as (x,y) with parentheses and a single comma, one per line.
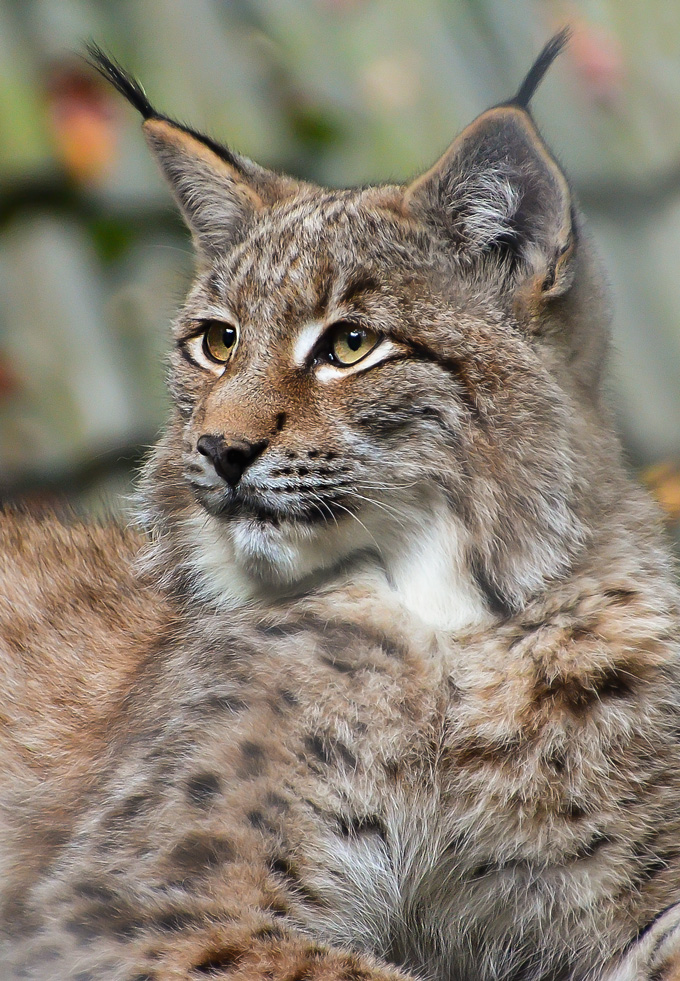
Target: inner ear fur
(217,191)
(498,192)
(214,197)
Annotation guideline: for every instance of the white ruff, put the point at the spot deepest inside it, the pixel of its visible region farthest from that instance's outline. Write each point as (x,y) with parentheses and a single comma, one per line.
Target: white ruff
(421,564)
(246,559)
(428,571)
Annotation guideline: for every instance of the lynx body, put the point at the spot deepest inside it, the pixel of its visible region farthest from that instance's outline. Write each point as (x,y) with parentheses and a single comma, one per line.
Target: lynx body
(389,686)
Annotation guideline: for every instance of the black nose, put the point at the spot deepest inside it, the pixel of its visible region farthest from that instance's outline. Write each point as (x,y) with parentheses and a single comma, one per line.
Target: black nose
(230,460)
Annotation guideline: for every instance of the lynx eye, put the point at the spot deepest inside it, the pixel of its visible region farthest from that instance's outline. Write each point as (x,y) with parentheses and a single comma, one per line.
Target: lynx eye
(350,343)
(219,341)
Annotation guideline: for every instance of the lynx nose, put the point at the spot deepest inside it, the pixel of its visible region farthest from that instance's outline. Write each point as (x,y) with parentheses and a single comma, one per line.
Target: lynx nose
(230,460)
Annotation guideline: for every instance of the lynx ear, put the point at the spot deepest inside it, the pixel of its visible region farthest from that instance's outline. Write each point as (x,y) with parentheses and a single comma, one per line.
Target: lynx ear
(216,190)
(214,196)
(498,191)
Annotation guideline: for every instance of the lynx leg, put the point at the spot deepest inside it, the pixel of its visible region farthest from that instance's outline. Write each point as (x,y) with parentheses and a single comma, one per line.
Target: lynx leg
(266,954)
(272,958)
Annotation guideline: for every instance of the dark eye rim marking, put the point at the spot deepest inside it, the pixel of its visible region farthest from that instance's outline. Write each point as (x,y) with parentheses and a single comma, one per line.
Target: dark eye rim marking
(181,346)
(454,367)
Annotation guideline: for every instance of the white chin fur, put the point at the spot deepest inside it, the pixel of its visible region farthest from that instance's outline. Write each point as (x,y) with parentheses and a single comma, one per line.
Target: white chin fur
(246,558)
(421,564)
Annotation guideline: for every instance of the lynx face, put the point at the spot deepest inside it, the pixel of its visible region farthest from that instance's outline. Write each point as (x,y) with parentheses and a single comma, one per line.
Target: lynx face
(378,377)
(333,427)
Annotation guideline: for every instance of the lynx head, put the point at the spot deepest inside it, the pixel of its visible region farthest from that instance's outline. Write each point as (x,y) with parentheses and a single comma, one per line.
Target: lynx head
(400,376)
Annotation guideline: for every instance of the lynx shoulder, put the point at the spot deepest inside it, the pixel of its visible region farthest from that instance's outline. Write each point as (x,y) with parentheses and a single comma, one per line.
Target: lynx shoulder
(389,685)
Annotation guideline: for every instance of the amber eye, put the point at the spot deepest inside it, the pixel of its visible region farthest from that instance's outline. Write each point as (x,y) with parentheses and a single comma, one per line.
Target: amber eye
(350,343)
(219,341)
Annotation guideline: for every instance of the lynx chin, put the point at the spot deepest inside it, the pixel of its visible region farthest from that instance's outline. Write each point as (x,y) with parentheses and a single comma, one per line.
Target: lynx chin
(386,685)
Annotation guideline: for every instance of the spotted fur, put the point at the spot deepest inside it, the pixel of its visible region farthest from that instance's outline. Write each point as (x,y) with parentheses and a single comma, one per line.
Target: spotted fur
(387,686)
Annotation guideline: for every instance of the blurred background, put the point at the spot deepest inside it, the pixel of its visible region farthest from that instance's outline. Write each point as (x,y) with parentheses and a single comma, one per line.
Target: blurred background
(93,260)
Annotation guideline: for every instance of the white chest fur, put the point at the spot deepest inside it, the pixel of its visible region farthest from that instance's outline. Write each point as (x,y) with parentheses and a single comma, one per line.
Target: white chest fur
(418,560)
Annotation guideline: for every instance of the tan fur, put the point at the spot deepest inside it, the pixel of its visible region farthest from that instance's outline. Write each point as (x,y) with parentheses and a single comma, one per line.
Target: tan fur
(389,686)
(72,613)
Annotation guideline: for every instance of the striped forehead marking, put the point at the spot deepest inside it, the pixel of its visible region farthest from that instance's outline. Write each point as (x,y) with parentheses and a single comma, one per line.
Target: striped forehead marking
(284,250)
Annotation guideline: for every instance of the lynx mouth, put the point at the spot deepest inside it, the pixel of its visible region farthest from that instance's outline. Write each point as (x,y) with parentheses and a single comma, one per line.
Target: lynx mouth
(242,504)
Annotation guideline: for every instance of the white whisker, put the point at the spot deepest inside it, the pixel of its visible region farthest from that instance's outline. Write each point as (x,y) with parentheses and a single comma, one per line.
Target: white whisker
(388,508)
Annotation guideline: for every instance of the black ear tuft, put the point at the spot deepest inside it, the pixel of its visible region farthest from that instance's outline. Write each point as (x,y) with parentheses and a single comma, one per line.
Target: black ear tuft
(535,75)
(128,86)
(217,190)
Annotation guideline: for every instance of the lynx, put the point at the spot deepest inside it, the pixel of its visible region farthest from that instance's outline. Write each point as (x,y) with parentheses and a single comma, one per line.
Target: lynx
(387,686)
